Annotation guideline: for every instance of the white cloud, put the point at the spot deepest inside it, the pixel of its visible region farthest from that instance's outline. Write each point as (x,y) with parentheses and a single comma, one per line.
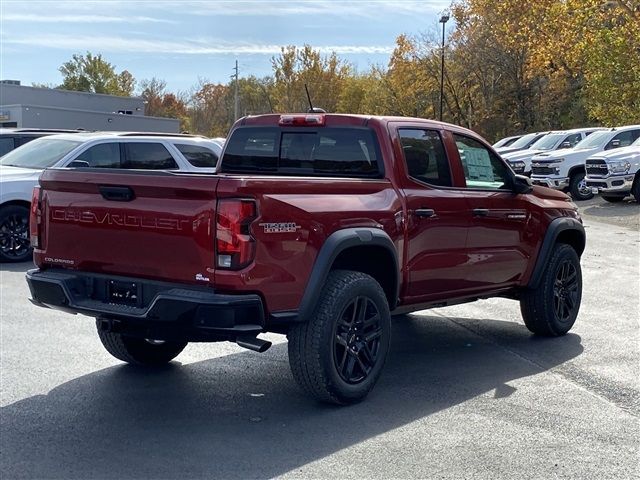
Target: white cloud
(361,8)
(189,47)
(35,18)
(309,8)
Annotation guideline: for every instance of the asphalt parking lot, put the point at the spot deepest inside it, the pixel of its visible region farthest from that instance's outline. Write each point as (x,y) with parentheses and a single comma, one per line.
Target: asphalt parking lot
(467,393)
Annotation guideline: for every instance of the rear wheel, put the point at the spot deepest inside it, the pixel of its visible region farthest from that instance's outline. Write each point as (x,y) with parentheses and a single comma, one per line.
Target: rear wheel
(139,351)
(338,355)
(611,199)
(551,309)
(14,234)
(578,187)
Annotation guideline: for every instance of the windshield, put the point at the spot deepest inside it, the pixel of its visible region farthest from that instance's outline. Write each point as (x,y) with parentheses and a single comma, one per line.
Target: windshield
(596,139)
(548,142)
(39,153)
(523,141)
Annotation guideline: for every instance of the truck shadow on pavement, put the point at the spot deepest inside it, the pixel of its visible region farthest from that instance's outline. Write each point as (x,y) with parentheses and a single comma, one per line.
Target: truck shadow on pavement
(241,416)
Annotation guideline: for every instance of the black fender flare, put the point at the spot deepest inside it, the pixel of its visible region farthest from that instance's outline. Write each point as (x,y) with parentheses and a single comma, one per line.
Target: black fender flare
(556,227)
(336,243)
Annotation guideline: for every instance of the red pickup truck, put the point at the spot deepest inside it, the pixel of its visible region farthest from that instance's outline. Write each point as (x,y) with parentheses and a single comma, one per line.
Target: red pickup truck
(318,226)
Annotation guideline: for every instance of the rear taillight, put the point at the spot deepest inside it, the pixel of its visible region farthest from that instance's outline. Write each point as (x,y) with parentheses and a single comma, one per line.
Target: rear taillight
(35,218)
(235,247)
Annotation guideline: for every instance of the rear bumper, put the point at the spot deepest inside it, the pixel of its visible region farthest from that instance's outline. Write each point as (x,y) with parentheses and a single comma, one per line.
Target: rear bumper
(618,184)
(163,309)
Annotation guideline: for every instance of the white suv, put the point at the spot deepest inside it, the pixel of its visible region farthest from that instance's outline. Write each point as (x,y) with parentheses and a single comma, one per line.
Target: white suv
(20,169)
(565,169)
(557,140)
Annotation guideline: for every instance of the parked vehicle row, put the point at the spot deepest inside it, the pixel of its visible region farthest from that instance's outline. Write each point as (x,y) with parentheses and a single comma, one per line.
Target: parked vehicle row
(559,159)
(21,168)
(520,161)
(565,169)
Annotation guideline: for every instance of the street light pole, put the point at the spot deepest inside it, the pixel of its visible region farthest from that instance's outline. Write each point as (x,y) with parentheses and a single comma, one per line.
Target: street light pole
(443,20)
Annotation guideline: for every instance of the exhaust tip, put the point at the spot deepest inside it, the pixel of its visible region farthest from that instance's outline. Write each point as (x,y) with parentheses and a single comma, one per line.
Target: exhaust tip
(253,343)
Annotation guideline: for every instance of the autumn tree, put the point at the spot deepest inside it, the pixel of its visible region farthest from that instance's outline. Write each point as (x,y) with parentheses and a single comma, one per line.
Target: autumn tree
(323,75)
(91,73)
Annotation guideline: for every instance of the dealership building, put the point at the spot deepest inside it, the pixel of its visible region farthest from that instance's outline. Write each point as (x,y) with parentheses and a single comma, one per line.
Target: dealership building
(35,107)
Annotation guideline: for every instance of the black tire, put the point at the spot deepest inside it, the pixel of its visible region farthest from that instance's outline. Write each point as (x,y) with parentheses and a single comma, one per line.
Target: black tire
(139,351)
(14,234)
(551,309)
(635,189)
(336,357)
(578,187)
(611,199)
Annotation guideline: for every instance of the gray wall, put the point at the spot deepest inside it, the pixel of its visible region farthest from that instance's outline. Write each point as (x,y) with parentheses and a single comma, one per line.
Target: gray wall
(51,97)
(28,116)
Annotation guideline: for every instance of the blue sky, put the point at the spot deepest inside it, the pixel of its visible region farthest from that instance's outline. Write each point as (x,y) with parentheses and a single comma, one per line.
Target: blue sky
(184,41)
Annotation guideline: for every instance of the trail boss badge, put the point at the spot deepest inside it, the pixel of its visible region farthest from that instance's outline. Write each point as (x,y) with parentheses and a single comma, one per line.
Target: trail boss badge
(283,227)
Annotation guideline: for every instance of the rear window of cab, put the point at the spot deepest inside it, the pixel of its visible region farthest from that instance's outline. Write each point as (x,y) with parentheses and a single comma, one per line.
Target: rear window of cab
(324,151)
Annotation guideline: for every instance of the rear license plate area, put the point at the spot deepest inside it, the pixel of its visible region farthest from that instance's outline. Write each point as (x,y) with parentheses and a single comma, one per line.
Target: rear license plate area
(123,293)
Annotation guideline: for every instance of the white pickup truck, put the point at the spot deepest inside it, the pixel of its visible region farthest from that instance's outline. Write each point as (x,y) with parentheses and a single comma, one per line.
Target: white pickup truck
(21,168)
(615,174)
(565,169)
(520,161)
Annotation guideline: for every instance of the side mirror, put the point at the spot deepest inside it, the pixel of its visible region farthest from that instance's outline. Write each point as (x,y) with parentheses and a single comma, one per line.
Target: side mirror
(615,143)
(79,164)
(565,145)
(522,184)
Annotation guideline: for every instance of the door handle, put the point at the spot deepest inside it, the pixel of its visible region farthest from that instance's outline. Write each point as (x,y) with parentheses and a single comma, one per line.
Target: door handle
(480,212)
(425,212)
(116,194)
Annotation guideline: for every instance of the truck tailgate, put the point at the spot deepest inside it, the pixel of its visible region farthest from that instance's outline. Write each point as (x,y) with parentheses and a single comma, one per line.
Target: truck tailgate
(156,225)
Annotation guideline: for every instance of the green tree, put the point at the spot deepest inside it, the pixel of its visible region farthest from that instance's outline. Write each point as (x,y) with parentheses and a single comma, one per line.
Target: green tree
(91,73)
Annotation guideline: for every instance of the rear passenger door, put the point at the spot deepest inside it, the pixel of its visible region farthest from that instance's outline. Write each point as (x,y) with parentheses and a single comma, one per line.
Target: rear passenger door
(435,229)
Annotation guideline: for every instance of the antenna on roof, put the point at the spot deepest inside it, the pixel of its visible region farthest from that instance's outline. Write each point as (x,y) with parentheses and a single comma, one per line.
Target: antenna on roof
(311,108)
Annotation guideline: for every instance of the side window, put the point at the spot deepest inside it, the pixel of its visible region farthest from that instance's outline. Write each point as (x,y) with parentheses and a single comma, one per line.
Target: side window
(6,145)
(573,139)
(104,155)
(198,156)
(425,156)
(148,156)
(482,168)
(623,139)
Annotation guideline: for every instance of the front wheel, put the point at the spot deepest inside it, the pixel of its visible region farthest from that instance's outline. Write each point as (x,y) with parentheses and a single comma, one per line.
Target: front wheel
(635,189)
(14,234)
(552,307)
(139,351)
(578,187)
(338,355)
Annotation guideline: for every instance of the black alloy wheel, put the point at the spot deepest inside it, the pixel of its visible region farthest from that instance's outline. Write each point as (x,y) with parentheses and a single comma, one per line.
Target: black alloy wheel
(15,245)
(565,291)
(357,340)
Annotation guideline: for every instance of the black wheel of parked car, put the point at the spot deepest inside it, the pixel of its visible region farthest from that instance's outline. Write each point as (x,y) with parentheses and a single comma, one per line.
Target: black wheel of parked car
(612,199)
(635,189)
(338,355)
(578,187)
(139,351)
(14,234)
(551,309)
